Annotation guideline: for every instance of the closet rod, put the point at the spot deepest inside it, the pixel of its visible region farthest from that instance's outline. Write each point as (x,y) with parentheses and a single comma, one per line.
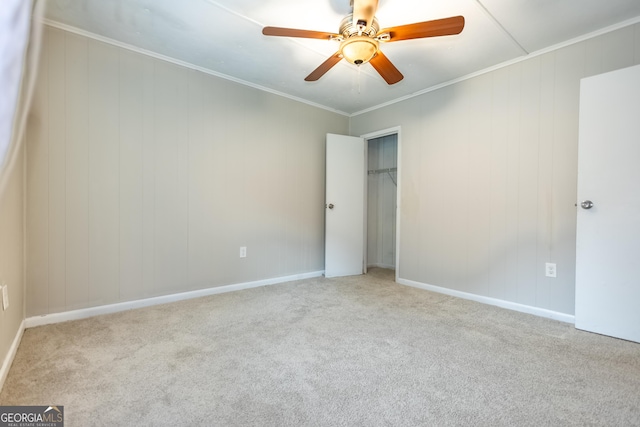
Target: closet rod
(386,170)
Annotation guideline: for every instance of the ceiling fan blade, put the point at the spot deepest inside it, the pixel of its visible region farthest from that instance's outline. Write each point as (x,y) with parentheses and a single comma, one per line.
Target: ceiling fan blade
(291,32)
(435,28)
(324,67)
(387,70)
(364,11)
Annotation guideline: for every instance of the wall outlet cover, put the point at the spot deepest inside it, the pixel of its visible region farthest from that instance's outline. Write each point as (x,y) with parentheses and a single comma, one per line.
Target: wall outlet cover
(550,269)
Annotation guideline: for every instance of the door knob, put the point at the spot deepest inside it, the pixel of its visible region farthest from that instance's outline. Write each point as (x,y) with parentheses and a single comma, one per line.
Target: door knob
(330,205)
(587,204)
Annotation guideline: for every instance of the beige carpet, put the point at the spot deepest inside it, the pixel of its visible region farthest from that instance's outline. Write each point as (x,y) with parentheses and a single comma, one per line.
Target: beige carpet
(360,351)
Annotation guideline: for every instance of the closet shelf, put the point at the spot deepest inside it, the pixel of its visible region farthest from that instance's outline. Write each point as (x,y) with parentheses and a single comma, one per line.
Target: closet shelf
(387,171)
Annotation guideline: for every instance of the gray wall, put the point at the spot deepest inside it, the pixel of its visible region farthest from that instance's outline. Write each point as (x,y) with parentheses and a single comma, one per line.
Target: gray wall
(12,256)
(489,172)
(144,178)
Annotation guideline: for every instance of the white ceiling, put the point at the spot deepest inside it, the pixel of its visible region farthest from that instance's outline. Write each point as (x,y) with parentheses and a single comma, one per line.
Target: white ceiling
(224,37)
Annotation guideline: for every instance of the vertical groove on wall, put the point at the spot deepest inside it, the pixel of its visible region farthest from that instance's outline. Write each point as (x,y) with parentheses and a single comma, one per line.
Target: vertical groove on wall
(48,139)
(64,290)
(88,285)
(154,215)
(155,170)
(119,175)
(538,168)
(188,143)
(518,219)
(25,199)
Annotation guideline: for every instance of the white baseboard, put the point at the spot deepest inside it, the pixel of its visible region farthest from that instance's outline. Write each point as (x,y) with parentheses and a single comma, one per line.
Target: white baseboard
(147,302)
(563,317)
(387,266)
(8,360)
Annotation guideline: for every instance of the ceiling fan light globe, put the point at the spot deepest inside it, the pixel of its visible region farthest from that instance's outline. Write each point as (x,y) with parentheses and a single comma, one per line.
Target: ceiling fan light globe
(359,50)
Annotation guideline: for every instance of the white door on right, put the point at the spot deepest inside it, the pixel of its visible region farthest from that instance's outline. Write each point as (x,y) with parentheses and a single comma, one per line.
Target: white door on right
(608,222)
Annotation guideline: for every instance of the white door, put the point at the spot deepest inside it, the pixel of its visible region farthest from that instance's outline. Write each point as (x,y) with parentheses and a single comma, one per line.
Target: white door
(344,209)
(608,233)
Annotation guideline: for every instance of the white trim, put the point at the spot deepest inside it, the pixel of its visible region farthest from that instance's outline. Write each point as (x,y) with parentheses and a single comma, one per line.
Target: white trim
(84,313)
(381,133)
(365,208)
(387,266)
(397,130)
(542,312)
(503,64)
(398,200)
(87,34)
(8,360)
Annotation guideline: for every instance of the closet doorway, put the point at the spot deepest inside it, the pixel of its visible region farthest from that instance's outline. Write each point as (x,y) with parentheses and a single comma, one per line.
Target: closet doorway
(382,200)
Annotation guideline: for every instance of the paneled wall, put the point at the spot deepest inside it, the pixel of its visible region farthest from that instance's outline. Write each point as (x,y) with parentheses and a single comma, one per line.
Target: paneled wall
(12,257)
(489,173)
(144,178)
(381,202)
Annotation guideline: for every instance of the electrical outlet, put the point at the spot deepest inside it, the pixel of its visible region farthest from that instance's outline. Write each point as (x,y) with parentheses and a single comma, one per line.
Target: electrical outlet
(550,269)
(5,297)
(243,251)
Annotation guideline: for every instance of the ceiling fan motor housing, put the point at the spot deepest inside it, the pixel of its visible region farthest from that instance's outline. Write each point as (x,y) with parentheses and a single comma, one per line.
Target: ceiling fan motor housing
(348,29)
(358,45)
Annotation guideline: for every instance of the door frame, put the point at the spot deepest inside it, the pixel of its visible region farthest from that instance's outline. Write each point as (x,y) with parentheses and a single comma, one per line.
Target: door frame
(396,130)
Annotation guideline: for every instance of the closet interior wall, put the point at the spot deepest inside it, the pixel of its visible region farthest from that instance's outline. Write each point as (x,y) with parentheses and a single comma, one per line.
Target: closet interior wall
(381,201)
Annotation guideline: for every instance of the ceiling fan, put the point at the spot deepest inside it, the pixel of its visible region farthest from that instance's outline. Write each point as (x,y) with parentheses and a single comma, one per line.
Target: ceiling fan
(360,37)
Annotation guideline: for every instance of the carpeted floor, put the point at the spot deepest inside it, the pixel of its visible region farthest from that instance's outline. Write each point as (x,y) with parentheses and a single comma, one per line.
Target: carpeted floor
(355,351)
